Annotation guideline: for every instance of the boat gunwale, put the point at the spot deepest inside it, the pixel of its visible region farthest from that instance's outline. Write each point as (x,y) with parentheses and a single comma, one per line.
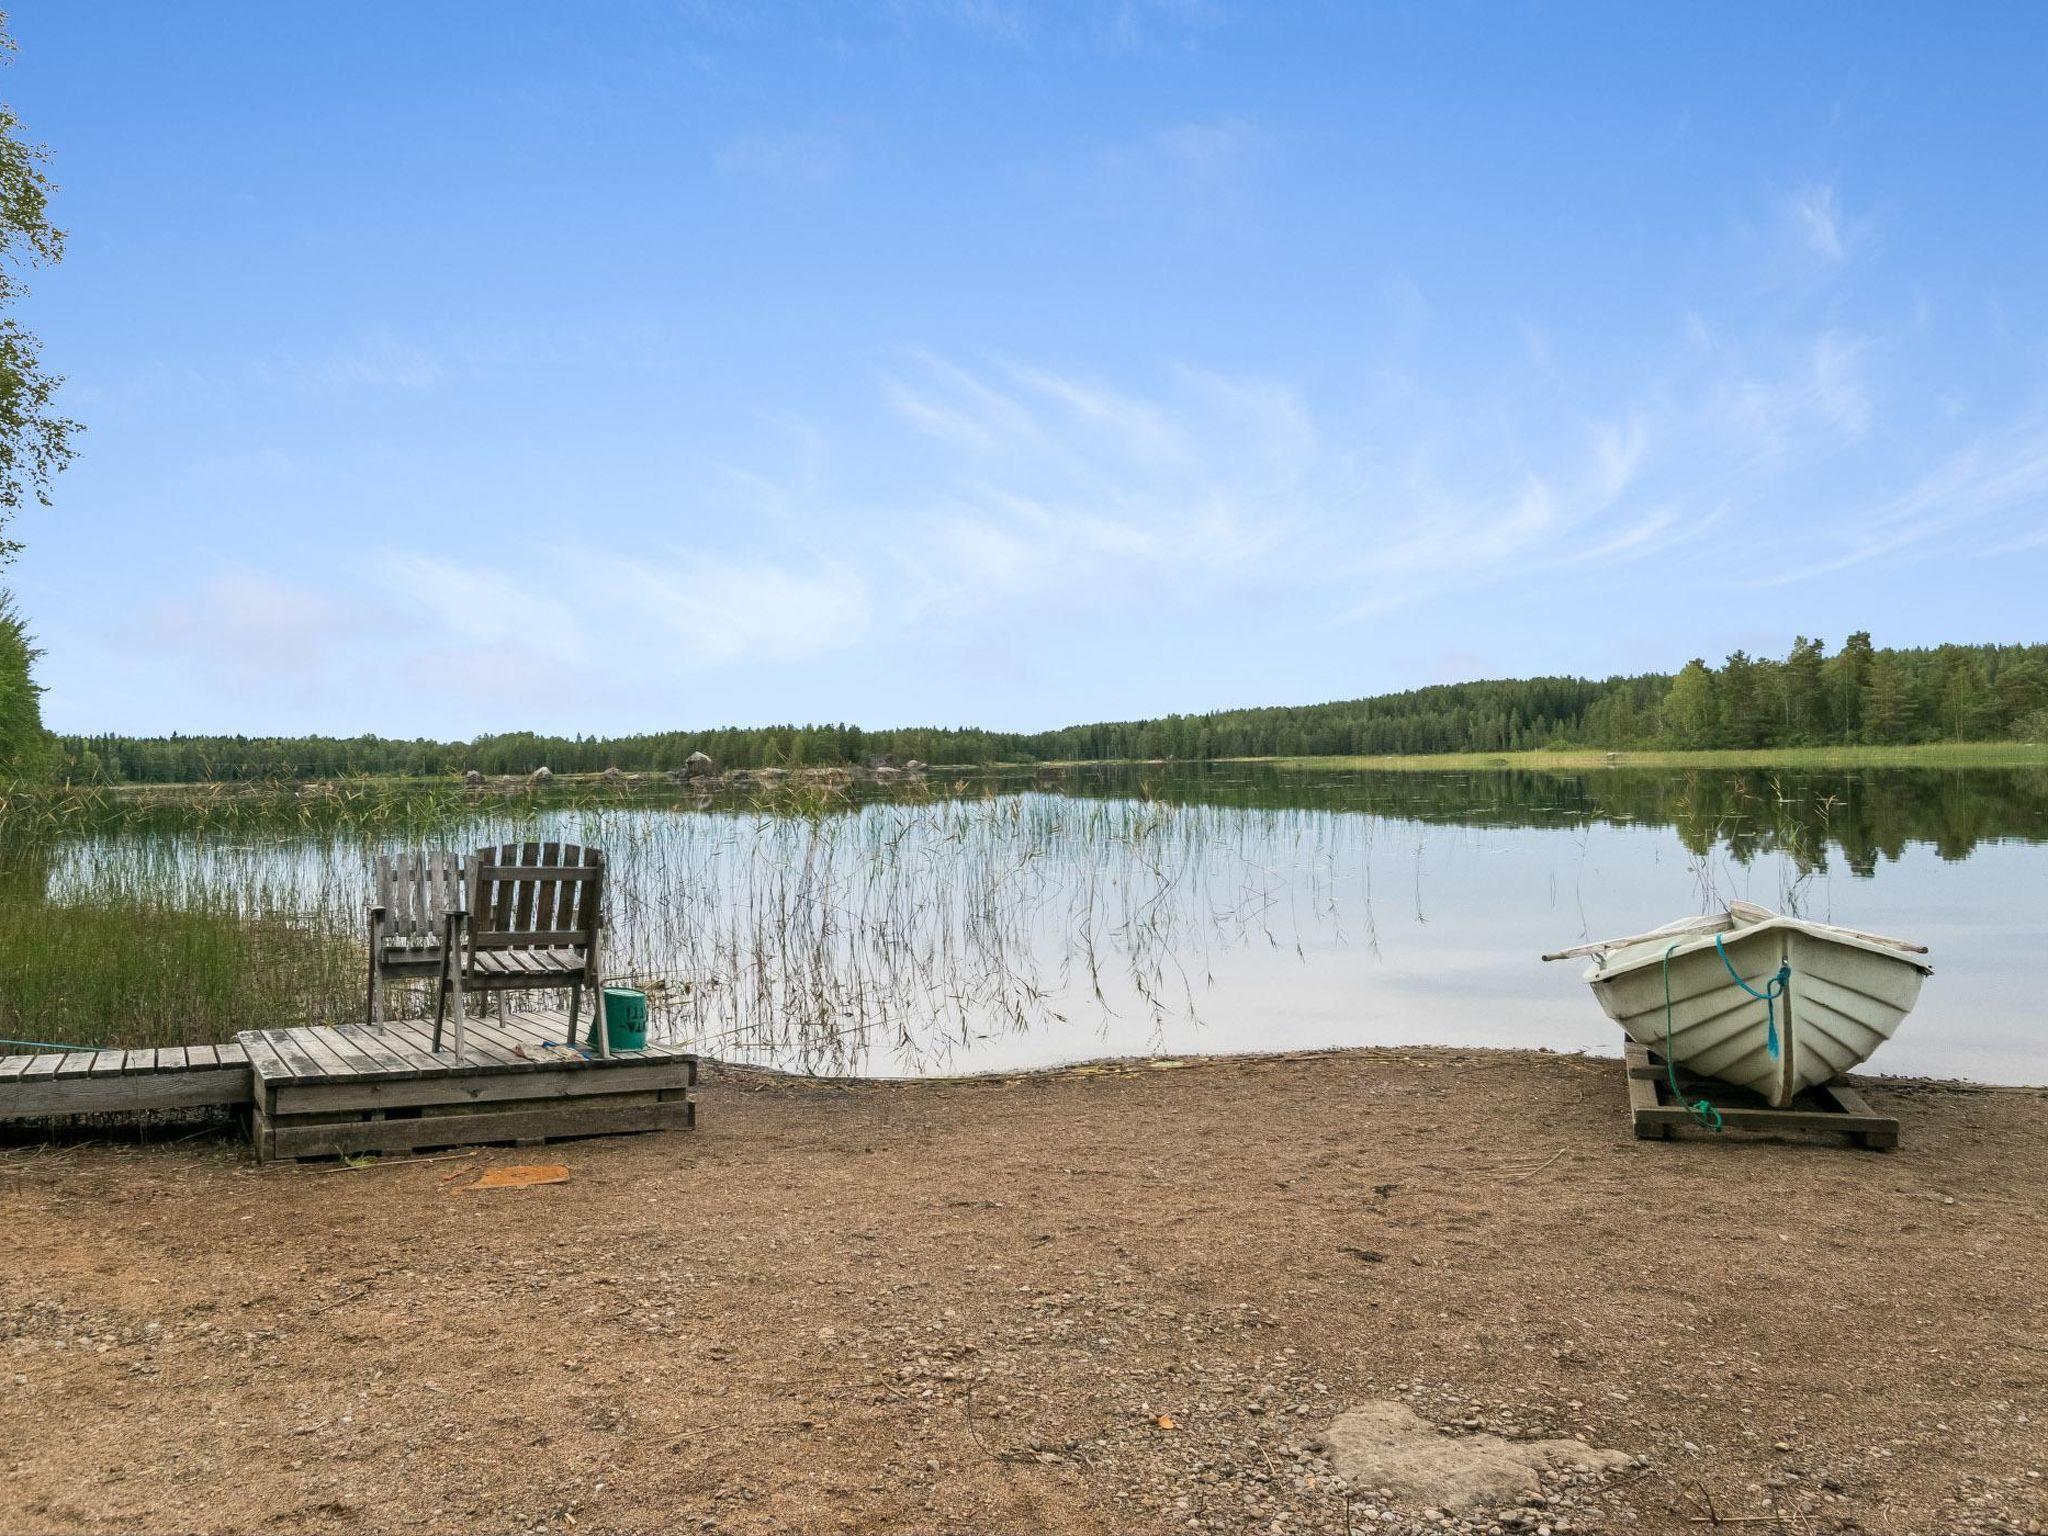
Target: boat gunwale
(1606,967)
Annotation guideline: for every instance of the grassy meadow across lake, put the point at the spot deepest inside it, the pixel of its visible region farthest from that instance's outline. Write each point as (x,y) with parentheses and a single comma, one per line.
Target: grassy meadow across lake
(1943,754)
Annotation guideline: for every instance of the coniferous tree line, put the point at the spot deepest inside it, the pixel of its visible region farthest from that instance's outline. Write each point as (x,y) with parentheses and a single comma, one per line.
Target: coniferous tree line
(1858,695)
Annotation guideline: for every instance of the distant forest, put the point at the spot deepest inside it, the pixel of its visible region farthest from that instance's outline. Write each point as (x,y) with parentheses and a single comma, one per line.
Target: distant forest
(1860,694)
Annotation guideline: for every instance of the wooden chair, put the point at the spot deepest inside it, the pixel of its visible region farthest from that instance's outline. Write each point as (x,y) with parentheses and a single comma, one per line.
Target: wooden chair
(415,892)
(531,918)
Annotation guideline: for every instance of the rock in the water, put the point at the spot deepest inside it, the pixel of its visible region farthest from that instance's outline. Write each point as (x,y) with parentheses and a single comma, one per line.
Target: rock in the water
(541,774)
(915,766)
(611,775)
(472,778)
(1389,1446)
(698,765)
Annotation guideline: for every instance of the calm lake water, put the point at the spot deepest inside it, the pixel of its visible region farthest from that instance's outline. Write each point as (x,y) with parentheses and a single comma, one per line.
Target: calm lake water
(1132,911)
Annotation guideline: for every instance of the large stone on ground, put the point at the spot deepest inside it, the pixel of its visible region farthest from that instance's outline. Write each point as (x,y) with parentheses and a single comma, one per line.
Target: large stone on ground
(1389,1445)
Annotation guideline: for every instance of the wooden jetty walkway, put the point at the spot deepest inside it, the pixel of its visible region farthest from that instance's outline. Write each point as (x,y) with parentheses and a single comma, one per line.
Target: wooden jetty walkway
(319,1092)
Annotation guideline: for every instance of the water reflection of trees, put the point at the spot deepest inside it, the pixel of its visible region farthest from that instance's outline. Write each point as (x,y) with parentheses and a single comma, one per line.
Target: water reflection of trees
(1862,816)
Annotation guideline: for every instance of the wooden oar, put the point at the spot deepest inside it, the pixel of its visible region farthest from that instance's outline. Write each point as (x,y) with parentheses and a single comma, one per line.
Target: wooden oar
(1707,923)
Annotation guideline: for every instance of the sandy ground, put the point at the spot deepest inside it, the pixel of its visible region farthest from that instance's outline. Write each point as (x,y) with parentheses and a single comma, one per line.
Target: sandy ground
(1107,1300)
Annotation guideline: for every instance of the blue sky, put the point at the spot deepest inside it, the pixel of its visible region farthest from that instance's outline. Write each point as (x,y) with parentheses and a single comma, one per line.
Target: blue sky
(458,367)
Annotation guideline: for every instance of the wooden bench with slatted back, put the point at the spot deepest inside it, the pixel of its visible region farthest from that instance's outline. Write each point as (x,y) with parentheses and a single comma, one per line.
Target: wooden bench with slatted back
(415,892)
(534,921)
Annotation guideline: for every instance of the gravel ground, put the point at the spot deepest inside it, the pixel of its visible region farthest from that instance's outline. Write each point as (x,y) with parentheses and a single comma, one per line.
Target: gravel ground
(1131,1298)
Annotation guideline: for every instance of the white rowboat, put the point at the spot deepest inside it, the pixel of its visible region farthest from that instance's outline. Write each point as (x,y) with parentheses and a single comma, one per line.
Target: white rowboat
(1813,1000)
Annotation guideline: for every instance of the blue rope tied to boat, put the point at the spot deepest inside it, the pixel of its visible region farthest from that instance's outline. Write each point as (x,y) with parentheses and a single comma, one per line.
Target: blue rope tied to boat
(1701,1109)
(1773,990)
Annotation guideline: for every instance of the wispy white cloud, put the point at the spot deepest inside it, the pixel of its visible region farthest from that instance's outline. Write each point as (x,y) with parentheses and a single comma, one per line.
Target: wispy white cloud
(377,360)
(1988,497)
(1839,386)
(251,630)
(714,612)
(792,157)
(1203,173)
(1817,215)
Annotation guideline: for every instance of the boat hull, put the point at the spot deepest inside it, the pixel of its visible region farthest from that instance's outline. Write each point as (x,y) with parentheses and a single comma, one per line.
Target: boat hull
(1842,1000)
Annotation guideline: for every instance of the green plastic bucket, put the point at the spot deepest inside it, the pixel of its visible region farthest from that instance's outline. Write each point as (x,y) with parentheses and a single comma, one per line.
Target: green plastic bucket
(625,1019)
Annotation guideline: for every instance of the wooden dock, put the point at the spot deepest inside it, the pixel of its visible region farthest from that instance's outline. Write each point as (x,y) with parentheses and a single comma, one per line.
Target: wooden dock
(323,1092)
(122,1082)
(354,1088)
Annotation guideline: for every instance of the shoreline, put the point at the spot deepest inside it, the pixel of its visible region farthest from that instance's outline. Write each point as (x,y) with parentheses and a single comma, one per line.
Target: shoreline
(1927,755)
(1100,1065)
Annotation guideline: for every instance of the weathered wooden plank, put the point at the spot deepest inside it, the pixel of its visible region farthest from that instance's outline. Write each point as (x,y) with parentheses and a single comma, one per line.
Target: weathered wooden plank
(261,1135)
(297,1060)
(468,1130)
(524,874)
(550,938)
(544,903)
(1883,1133)
(538,1028)
(46,1064)
(420,1034)
(1775,1119)
(108,1063)
(335,1057)
(416,1036)
(1642,1097)
(382,1056)
(133,1093)
(485,1034)
(536,868)
(13,1066)
(231,1054)
(476,1088)
(76,1063)
(262,1057)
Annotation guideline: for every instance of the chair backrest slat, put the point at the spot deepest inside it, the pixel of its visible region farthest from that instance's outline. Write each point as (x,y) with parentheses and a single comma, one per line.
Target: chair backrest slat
(416,891)
(544,901)
(535,896)
(529,855)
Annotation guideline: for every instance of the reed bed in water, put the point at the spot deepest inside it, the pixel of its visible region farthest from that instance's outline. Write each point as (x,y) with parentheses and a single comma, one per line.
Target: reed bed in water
(798,927)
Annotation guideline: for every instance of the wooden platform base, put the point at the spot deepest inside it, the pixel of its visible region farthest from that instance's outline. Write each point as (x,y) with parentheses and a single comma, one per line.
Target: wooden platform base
(358,1088)
(88,1082)
(1836,1107)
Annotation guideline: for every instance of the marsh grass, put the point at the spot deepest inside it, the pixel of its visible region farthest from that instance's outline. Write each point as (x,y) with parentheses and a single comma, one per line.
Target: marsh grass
(800,924)
(121,971)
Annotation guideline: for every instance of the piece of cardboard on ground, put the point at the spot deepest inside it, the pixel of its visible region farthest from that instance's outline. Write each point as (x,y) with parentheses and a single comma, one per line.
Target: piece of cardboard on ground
(520,1176)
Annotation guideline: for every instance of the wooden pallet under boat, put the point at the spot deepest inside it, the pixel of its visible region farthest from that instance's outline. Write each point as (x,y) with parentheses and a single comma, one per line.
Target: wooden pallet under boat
(1834,1107)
